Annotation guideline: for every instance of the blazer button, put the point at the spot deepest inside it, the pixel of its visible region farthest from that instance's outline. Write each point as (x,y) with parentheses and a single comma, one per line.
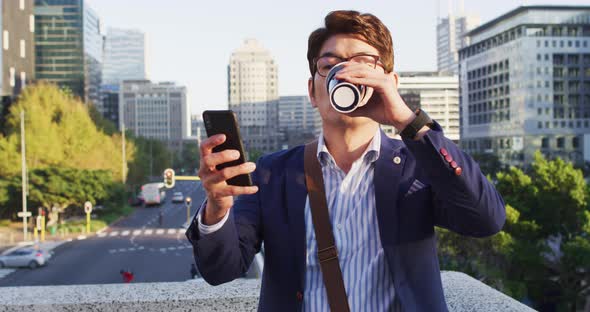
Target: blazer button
(443,152)
(299,296)
(458,171)
(454,164)
(448,158)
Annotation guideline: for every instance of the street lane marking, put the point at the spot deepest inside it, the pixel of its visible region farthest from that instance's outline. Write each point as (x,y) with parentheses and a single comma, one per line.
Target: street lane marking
(102,234)
(136,232)
(125,233)
(148,232)
(5,272)
(140,248)
(162,249)
(114,233)
(131,249)
(172,248)
(171,231)
(121,249)
(113,250)
(159,231)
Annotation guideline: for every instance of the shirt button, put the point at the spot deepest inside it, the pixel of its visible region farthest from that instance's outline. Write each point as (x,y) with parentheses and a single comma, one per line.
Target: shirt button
(339,226)
(443,152)
(299,296)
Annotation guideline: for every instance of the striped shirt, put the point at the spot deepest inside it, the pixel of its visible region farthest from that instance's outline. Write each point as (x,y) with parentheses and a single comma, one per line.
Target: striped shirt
(353,214)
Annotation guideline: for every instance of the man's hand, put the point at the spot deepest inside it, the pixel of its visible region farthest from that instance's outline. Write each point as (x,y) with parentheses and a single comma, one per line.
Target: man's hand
(219,193)
(385,106)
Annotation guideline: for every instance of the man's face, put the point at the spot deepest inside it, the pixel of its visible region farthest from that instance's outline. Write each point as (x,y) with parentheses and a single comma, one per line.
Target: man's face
(343,46)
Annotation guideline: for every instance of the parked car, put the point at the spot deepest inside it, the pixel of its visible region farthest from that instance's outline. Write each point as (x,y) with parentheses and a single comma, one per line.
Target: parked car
(25,257)
(177,197)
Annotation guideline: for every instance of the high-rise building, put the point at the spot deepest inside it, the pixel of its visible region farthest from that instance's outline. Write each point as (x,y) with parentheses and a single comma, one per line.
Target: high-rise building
(17,54)
(253,95)
(155,110)
(124,56)
(109,107)
(299,122)
(198,132)
(525,85)
(437,94)
(450,34)
(68,46)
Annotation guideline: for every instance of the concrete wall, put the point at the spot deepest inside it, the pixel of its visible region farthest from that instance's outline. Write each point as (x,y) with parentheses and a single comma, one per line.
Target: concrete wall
(462,292)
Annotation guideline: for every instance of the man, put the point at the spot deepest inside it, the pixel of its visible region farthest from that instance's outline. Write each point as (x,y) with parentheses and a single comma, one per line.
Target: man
(384,196)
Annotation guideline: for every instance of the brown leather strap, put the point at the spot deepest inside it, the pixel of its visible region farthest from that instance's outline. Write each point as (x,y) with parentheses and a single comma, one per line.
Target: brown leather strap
(327,252)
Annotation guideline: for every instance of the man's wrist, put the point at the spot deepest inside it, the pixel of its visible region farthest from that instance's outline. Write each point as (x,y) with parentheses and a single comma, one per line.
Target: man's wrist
(209,217)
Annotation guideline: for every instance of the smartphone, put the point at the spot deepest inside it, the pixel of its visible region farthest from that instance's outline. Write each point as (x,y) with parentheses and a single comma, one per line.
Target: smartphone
(225,121)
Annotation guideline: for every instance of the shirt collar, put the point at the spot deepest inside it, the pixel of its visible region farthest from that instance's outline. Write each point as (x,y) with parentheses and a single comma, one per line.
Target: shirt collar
(370,154)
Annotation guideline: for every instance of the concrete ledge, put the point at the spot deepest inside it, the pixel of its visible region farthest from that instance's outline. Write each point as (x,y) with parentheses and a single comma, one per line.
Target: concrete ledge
(462,292)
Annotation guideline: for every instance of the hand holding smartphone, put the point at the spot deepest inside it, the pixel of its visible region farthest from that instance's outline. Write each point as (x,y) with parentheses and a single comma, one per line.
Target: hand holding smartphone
(225,122)
(223,170)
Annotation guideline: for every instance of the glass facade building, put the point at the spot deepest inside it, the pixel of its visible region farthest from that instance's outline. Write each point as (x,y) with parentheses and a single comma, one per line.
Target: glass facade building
(124,56)
(69,46)
(525,85)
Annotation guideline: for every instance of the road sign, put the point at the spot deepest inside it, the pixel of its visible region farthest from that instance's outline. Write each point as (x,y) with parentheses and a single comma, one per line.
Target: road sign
(88,207)
(24,214)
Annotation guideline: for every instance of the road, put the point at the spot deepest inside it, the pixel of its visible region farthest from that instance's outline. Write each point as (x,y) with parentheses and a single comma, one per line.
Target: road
(138,243)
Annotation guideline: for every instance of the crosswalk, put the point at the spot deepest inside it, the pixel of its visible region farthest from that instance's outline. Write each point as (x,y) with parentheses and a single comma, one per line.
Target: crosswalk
(143,248)
(143,232)
(4,272)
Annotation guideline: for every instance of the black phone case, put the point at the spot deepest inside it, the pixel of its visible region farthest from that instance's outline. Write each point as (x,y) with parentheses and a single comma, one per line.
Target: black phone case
(224,121)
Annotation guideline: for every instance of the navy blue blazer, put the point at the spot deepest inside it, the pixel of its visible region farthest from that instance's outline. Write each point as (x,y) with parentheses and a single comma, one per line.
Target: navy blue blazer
(466,203)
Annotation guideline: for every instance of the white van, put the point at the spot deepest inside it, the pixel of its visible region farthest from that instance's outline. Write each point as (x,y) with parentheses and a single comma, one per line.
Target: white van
(153,193)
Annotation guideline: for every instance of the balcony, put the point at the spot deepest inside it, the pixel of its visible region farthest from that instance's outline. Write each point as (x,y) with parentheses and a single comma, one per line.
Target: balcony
(462,293)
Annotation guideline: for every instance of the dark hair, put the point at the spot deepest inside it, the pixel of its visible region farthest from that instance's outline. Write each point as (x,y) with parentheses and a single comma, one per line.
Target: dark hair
(366,26)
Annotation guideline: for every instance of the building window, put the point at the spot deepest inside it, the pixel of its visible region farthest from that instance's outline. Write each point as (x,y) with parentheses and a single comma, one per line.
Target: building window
(575,142)
(22,5)
(12,78)
(544,142)
(23,79)
(5,40)
(22,49)
(32,23)
(560,142)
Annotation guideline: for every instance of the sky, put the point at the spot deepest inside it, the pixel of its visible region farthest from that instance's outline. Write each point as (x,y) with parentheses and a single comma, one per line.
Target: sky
(190,41)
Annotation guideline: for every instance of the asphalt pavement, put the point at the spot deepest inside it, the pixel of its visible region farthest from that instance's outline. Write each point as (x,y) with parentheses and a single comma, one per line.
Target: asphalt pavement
(153,252)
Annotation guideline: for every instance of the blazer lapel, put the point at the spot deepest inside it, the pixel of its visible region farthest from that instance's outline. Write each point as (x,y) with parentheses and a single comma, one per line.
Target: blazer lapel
(295,194)
(388,171)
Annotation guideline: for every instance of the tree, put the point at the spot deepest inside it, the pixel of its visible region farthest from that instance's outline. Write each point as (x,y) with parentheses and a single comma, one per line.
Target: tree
(543,251)
(59,133)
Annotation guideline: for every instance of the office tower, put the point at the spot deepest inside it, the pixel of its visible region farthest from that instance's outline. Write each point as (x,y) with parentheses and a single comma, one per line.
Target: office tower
(437,93)
(299,122)
(155,110)
(525,85)
(253,95)
(124,56)
(68,46)
(450,35)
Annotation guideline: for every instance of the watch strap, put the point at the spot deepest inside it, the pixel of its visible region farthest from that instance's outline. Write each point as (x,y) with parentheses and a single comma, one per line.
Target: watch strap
(422,119)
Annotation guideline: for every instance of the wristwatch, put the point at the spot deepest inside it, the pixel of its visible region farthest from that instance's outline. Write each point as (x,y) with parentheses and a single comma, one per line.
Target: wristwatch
(422,119)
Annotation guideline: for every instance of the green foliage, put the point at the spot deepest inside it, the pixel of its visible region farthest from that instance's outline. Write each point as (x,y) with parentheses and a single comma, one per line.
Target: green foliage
(543,251)
(151,159)
(59,133)
(254,155)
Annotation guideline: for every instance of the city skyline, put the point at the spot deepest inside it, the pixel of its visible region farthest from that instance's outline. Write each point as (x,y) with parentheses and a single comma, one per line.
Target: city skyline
(176,31)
